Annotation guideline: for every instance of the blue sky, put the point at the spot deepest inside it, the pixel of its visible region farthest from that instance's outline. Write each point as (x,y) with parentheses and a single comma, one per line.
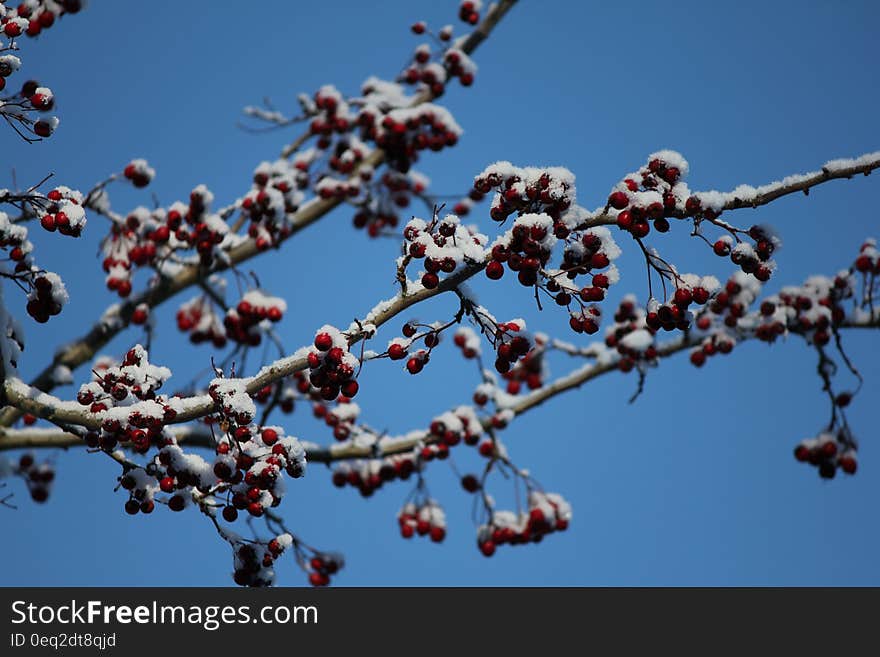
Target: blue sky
(694,484)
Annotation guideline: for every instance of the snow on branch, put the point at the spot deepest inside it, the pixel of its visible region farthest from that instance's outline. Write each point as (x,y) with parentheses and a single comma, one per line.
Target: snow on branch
(119,316)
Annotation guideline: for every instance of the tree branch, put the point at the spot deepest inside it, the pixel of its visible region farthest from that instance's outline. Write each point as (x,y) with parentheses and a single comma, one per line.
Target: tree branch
(116,318)
(753,197)
(201,436)
(28,398)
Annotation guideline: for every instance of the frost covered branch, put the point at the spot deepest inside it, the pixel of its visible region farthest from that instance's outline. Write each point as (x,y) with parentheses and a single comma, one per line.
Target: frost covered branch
(119,316)
(606,363)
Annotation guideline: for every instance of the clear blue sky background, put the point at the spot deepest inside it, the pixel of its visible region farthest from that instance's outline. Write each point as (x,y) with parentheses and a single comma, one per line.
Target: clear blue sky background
(695,483)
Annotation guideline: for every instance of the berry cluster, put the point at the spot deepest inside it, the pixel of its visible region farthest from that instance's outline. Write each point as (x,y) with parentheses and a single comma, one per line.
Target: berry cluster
(405,131)
(811,309)
(868,261)
(197,317)
(547,513)
(750,259)
(630,336)
(398,348)
(141,488)
(652,194)
(417,361)
(116,387)
(468,341)
(348,153)
(460,66)
(64,212)
(425,518)
(828,452)
(444,244)
(9,64)
(47,294)
(341,418)
(341,188)
(422,69)
(139,173)
(233,402)
(732,302)
(37,476)
(142,239)
(452,63)
(439,451)
(33,16)
(243,323)
(511,344)
(30,18)
(322,566)
(395,190)
(332,366)
(207,231)
(330,114)
(469,11)
(42,99)
(530,190)
(253,562)
(369,475)
(275,194)
(675,313)
(586,320)
(525,248)
(32,97)
(47,297)
(451,428)
(718,342)
(250,461)
(593,251)
(14,236)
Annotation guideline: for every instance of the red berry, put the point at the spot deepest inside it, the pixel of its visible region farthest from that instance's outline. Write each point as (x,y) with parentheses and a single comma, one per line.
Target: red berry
(470,483)
(721,248)
(323,341)
(618,200)
(863,264)
(139,316)
(494,270)
(350,388)
(848,464)
(41,128)
(430,281)
(269,436)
